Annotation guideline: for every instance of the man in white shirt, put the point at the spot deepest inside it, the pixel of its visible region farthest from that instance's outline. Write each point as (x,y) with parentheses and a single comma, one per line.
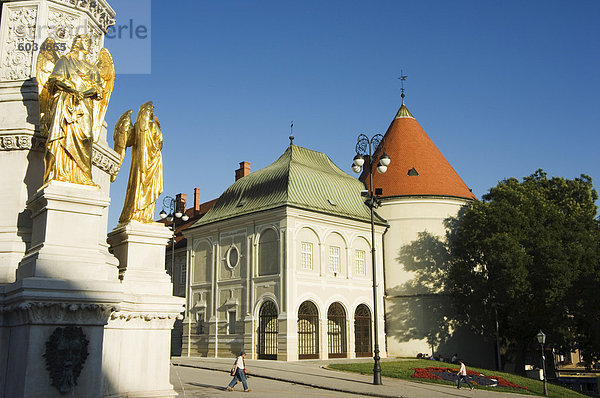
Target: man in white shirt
(239,373)
(462,375)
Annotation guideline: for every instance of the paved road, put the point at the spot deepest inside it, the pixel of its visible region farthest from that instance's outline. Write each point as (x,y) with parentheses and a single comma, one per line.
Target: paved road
(209,376)
(195,383)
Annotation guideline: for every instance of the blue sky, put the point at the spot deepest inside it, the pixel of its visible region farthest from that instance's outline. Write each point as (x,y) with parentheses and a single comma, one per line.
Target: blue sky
(501,87)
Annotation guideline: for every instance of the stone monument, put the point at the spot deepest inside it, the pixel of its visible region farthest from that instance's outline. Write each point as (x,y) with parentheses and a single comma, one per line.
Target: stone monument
(74,319)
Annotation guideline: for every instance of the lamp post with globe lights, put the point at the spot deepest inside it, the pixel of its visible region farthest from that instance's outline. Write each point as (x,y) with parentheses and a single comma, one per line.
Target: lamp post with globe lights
(175,214)
(365,148)
(541,338)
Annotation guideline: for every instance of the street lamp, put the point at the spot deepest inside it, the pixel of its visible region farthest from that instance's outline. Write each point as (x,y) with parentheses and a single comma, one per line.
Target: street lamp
(364,154)
(174,214)
(541,338)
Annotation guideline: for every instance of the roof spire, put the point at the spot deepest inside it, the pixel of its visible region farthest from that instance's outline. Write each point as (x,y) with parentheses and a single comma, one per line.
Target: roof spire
(292,133)
(402,79)
(403,111)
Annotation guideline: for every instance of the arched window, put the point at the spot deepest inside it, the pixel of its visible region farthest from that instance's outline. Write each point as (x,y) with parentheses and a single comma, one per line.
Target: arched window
(362,331)
(308,331)
(268,253)
(267,331)
(336,331)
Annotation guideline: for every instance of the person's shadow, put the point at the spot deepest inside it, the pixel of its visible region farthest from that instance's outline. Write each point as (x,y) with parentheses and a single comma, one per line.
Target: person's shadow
(220,388)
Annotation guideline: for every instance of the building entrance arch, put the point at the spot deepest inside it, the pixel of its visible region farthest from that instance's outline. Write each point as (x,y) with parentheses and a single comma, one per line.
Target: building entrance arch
(336,331)
(362,331)
(308,331)
(267,331)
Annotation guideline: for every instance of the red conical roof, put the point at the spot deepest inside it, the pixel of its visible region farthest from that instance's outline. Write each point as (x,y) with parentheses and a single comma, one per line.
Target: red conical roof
(417,166)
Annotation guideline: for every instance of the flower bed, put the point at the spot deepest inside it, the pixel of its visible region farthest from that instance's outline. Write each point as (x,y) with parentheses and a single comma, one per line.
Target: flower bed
(449,374)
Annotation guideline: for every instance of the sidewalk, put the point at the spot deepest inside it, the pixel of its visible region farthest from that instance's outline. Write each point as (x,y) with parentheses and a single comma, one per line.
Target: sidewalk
(313,374)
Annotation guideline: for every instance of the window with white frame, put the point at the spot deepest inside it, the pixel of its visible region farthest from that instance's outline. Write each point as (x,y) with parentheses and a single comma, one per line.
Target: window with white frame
(334,259)
(231,322)
(359,260)
(306,253)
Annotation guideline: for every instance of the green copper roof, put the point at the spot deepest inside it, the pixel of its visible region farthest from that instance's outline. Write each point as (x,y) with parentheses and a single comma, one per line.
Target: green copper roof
(300,178)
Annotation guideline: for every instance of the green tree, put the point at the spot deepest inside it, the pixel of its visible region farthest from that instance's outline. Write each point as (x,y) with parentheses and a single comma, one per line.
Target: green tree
(531,247)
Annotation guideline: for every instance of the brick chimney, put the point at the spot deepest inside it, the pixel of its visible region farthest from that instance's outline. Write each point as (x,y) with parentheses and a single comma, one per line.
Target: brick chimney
(180,200)
(196,201)
(243,171)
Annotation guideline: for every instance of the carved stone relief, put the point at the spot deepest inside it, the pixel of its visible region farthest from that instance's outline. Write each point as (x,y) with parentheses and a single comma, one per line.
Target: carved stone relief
(56,313)
(62,27)
(104,161)
(98,10)
(16,64)
(66,352)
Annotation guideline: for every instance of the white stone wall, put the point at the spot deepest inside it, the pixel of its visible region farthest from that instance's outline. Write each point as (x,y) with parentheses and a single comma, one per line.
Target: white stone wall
(216,288)
(407,316)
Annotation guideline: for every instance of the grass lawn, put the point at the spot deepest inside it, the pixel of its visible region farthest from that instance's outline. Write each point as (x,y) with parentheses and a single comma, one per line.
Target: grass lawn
(404,369)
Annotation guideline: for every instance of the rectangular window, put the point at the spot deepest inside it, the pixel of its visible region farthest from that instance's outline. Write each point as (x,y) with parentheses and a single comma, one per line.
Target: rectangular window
(334,259)
(359,258)
(306,255)
(183,273)
(231,322)
(200,322)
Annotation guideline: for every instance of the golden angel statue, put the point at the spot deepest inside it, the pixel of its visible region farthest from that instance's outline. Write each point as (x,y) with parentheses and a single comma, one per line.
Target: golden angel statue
(73,97)
(146,173)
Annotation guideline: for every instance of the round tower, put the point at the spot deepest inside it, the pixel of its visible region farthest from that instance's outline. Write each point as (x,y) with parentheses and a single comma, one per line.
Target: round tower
(418,192)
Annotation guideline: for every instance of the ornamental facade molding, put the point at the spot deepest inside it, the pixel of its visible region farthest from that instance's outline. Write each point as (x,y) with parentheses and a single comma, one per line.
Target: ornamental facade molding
(145,320)
(98,10)
(19,142)
(56,313)
(103,158)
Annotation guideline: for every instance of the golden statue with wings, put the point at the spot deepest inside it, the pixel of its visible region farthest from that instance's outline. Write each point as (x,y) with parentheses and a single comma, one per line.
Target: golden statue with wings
(73,97)
(146,173)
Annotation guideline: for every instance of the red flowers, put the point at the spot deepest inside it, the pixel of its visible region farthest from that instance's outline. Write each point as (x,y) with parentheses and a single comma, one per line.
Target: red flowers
(449,374)
(421,373)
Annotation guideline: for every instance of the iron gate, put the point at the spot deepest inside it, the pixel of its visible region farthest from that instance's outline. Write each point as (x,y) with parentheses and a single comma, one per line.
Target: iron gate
(267,331)
(336,331)
(308,331)
(362,331)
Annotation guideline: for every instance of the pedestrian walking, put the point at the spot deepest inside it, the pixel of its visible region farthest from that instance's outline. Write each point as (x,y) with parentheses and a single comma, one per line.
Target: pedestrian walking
(462,375)
(239,373)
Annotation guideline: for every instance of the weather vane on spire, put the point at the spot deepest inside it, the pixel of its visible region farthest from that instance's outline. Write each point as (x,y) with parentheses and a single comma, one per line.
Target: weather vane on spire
(292,133)
(402,78)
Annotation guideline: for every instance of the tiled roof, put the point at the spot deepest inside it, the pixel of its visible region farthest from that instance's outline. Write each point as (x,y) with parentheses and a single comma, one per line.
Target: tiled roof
(300,178)
(417,166)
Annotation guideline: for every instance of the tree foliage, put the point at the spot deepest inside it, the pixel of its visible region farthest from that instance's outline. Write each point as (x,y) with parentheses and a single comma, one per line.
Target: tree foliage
(530,247)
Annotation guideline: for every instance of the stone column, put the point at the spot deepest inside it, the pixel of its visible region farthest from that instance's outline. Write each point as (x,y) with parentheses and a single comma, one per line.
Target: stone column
(137,340)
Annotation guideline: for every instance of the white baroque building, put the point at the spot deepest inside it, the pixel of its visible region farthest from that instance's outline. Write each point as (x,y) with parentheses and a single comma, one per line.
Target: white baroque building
(281,265)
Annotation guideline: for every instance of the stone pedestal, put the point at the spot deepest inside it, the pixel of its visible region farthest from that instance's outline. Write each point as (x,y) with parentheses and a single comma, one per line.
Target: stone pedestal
(63,281)
(36,308)
(137,340)
(65,241)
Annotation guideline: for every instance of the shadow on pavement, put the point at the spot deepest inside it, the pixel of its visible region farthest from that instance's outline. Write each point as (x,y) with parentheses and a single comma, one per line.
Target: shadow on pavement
(220,388)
